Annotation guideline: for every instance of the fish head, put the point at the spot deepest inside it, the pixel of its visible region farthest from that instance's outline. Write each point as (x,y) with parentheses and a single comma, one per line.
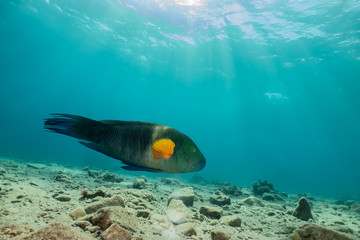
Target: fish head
(188,156)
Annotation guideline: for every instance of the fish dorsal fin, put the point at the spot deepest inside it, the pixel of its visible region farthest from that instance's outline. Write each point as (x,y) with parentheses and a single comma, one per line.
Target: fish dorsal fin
(163,148)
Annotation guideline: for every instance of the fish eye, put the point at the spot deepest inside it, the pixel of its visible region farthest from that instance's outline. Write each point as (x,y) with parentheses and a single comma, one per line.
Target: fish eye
(193,149)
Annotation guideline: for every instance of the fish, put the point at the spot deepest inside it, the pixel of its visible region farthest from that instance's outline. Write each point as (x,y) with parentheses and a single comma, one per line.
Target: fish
(140,146)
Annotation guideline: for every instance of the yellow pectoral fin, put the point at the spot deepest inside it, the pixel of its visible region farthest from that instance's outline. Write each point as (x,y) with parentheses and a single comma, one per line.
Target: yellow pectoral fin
(163,148)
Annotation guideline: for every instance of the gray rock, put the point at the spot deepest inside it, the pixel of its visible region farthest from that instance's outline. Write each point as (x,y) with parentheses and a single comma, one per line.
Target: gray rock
(94,194)
(177,212)
(315,232)
(251,202)
(219,233)
(114,201)
(232,190)
(186,229)
(109,177)
(2,171)
(170,181)
(63,178)
(303,211)
(143,213)
(211,212)
(219,198)
(232,221)
(114,232)
(268,197)
(105,217)
(355,207)
(63,198)
(57,231)
(186,195)
(78,213)
(139,183)
(93,173)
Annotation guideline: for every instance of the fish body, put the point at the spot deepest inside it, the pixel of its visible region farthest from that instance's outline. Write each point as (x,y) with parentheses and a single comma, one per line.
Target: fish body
(140,145)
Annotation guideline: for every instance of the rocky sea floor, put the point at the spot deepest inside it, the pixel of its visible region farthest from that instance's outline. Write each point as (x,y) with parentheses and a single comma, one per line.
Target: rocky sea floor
(50,201)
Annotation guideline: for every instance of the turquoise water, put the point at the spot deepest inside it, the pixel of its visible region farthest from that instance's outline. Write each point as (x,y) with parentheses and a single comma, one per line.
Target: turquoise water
(266,89)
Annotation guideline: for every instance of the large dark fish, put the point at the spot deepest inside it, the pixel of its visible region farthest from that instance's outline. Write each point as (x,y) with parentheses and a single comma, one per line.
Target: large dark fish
(141,146)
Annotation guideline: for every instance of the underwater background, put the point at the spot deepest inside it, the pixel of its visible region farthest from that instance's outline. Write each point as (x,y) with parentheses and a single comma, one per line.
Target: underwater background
(267,89)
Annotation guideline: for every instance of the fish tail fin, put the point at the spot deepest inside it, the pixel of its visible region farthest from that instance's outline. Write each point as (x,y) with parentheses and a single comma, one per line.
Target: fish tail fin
(74,126)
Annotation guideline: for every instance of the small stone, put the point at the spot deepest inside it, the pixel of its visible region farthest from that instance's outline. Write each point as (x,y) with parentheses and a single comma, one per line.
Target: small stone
(186,195)
(139,183)
(211,212)
(63,198)
(232,221)
(177,212)
(219,198)
(114,232)
(261,187)
(186,229)
(57,231)
(303,211)
(143,213)
(78,213)
(114,201)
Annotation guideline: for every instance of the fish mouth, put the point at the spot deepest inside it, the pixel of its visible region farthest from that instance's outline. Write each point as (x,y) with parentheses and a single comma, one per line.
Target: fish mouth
(202,164)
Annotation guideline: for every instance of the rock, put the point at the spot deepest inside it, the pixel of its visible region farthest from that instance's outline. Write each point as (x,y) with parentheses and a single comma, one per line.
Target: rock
(63,198)
(114,232)
(109,177)
(57,231)
(78,213)
(139,183)
(219,233)
(177,212)
(219,198)
(143,213)
(186,229)
(355,207)
(275,206)
(211,212)
(114,201)
(170,181)
(261,187)
(94,194)
(36,165)
(63,178)
(93,173)
(268,197)
(315,232)
(232,190)
(2,171)
(302,210)
(232,221)
(251,202)
(105,217)
(186,195)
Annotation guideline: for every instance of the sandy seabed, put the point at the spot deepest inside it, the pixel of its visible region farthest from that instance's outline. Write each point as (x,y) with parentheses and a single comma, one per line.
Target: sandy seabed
(50,201)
